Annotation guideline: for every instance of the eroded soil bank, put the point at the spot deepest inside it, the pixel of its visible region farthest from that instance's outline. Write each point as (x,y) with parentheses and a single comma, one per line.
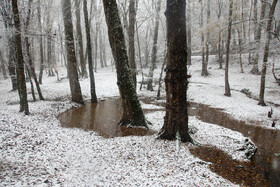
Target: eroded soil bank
(264,170)
(265,162)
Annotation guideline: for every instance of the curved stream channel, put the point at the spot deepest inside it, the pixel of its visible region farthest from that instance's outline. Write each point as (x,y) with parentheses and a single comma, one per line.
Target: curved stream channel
(263,170)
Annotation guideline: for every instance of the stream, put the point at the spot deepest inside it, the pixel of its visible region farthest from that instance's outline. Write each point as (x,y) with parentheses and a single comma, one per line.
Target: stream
(263,170)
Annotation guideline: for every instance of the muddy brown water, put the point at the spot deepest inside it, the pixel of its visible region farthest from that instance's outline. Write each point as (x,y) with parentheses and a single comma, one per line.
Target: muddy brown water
(267,141)
(101,117)
(264,170)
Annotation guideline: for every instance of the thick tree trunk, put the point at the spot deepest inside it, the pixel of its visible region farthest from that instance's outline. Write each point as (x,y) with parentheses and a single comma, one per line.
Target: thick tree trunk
(227,87)
(154,51)
(255,69)
(89,51)
(80,41)
(266,51)
(133,114)
(176,117)
(20,61)
(71,57)
(131,34)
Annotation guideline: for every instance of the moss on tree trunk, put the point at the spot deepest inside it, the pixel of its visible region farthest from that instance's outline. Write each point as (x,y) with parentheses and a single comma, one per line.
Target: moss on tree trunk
(133,114)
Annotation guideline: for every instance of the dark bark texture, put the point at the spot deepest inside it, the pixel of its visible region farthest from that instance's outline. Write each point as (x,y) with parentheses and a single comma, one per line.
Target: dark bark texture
(89,51)
(132,112)
(80,40)
(71,57)
(20,61)
(176,117)
(31,70)
(154,50)
(131,34)
(227,87)
(266,51)
(41,45)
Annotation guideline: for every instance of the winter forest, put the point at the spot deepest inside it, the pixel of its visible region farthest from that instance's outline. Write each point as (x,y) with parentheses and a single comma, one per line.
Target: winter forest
(139,93)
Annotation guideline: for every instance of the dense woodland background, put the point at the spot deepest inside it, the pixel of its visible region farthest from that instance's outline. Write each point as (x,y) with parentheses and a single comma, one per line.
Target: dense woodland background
(220,56)
(209,23)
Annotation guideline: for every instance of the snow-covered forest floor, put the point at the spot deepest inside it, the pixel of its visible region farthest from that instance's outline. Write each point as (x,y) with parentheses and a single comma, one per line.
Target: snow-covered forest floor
(36,150)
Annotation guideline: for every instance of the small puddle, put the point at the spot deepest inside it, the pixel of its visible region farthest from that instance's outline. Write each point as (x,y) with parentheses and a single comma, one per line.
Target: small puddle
(265,161)
(101,117)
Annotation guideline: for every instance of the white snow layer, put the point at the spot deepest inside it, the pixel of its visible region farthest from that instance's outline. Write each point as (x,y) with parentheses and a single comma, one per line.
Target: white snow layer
(37,151)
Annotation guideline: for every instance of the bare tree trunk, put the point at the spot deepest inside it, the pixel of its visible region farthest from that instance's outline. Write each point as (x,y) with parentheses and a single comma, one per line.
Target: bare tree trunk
(49,54)
(240,50)
(89,51)
(96,47)
(189,33)
(243,18)
(140,58)
(147,51)
(154,51)
(131,35)
(207,34)
(220,46)
(255,69)
(71,57)
(41,44)
(31,71)
(227,87)
(204,71)
(31,84)
(20,61)
(12,63)
(133,114)
(266,51)
(3,68)
(176,117)
(80,40)
(220,55)
(161,73)
(7,15)
(249,34)
(255,18)
(104,50)
(100,50)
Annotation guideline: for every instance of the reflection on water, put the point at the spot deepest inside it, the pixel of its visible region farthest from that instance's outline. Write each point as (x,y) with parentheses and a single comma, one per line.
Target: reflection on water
(267,140)
(102,117)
